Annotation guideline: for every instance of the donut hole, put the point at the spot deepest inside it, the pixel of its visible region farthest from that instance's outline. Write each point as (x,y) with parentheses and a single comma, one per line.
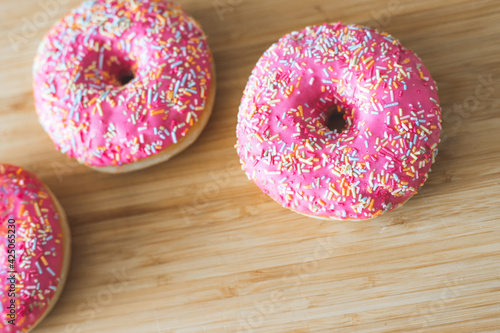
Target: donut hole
(103,70)
(125,76)
(336,120)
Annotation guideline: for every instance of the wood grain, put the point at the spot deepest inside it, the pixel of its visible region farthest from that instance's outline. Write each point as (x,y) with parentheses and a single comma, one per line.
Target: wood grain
(192,246)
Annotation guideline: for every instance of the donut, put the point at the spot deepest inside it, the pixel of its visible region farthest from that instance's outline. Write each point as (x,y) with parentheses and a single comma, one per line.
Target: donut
(121,85)
(392,122)
(35,254)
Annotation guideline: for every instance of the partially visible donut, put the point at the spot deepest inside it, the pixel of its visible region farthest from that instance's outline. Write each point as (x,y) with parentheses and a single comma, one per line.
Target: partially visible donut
(124,84)
(35,253)
(392,113)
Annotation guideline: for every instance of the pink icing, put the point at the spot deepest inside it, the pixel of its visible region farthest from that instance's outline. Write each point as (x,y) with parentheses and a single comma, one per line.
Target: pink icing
(79,80)
(38,247)
(392,112)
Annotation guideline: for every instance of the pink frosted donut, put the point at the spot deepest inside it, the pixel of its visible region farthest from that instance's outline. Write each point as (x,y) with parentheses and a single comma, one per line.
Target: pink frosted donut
(392,113)
(124,84)
(35,249)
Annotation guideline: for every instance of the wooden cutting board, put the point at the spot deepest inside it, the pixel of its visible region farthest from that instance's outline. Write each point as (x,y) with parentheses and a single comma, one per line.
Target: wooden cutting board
(192,246)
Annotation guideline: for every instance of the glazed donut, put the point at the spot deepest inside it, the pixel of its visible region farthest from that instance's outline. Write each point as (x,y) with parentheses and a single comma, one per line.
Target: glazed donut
(392,114)
(36,249)
(124,84)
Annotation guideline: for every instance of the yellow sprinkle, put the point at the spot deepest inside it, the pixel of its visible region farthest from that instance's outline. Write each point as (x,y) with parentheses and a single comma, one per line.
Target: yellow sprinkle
(308,145)
(99,109)
(37,210)
(42,258)
(425,129)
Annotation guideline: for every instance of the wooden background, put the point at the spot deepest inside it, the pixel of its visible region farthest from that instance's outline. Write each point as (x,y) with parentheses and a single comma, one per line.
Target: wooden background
(193,246)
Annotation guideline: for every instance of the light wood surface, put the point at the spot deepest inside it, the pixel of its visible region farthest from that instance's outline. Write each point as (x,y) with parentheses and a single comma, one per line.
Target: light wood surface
(192,246)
